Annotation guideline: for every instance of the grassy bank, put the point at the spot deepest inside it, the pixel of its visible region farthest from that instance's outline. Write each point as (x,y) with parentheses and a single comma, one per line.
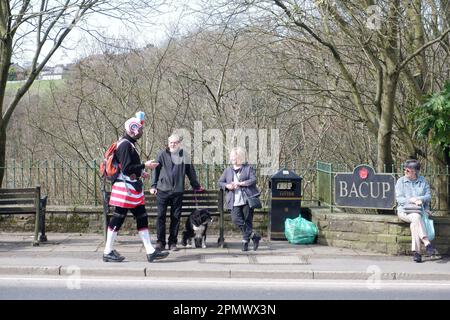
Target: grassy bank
(39,87)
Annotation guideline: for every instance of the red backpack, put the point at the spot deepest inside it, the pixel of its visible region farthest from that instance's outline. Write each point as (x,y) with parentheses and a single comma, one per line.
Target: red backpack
(110,166)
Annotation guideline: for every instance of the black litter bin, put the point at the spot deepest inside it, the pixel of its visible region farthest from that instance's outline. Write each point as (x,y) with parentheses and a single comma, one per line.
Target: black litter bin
(285,201)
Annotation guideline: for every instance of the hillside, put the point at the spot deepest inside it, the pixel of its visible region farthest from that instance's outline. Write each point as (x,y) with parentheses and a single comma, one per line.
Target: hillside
(40,87)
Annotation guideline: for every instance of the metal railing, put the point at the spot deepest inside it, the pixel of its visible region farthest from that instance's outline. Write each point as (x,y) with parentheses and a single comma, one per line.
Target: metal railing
(326,172)
(77,183)
(64,182)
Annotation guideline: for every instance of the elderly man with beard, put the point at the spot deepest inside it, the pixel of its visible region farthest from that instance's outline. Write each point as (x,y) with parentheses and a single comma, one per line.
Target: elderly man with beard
(168,185)
(127,193)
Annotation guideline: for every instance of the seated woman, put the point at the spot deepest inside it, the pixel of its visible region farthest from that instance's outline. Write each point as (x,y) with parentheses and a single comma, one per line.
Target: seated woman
(413,193)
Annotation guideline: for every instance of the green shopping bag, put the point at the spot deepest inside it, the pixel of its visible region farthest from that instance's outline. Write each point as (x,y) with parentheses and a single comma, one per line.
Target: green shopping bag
(300,231)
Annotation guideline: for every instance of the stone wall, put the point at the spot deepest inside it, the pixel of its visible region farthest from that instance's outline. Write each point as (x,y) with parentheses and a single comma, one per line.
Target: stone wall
(88,219)
(377,233)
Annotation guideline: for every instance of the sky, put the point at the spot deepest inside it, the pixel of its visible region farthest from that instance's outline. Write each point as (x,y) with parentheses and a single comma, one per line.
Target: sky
(79,43)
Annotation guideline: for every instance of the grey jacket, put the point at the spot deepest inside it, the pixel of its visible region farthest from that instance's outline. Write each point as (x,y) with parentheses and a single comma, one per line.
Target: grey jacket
(248,176)
(406,189)
(168,179)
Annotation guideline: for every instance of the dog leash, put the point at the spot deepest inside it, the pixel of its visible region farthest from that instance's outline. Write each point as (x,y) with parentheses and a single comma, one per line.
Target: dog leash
(196,200)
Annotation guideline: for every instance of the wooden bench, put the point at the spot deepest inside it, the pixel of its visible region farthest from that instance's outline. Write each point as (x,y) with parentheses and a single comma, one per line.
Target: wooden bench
(211,200)
(26,201)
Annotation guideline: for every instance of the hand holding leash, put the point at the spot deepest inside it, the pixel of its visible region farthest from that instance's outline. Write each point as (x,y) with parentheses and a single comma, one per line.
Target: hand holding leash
(199,190)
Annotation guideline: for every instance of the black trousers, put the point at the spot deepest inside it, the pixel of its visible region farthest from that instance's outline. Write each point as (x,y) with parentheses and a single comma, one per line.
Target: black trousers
(120,214)
(163,200)
(242,217)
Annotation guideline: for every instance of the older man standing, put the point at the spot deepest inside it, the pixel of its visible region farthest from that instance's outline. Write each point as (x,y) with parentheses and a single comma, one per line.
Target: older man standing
(168,185)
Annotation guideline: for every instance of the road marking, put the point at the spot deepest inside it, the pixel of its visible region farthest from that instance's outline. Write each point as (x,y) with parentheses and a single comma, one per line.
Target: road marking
(384,284)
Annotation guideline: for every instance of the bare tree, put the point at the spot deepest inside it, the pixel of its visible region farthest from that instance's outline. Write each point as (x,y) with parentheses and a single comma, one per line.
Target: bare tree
(49,23)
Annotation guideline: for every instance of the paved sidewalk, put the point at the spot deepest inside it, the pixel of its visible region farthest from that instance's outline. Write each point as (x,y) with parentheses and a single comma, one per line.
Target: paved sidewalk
(66,252)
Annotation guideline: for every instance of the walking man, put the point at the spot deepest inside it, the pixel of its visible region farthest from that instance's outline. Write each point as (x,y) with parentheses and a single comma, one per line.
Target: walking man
(127,193)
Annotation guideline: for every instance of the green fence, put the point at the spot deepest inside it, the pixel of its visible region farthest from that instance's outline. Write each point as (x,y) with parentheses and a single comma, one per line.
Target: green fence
(439,179)
(78,183)
(65,182)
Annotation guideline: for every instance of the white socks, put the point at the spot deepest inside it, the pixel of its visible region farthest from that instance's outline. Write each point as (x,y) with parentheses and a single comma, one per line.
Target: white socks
(145,237)
(110,238)
(144,234)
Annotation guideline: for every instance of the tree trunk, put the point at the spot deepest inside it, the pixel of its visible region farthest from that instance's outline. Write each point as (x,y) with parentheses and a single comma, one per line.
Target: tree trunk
(420,71)
(384,138)
(2,152)
(390,74)
(441,182)
(5,62)
(447,171)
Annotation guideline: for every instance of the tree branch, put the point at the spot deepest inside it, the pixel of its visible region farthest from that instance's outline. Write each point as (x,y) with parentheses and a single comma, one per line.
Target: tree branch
(418,51)
(372,122)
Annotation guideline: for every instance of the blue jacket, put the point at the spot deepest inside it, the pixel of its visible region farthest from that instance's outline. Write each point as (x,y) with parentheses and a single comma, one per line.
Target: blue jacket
(248,176)
(406,189)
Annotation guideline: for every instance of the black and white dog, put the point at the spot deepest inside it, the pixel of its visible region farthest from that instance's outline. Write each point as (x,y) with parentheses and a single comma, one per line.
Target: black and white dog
(195,228)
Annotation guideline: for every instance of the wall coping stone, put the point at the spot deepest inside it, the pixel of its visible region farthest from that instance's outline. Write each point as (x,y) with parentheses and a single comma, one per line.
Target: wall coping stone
(326,214)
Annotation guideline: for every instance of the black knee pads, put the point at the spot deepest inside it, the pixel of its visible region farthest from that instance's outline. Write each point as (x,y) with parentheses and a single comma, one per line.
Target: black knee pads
(142,221)
(116,222)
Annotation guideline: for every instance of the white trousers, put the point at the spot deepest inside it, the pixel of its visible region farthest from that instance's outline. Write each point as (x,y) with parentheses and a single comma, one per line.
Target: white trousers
(418,232)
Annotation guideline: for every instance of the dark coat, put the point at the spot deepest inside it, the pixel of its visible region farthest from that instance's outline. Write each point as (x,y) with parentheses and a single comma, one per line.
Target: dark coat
(169,177)
(248,176)
(129,159)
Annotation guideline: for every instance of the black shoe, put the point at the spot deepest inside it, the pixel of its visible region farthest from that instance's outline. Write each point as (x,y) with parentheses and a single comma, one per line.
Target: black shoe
(430,250)
(157,255)
(417,257)
(113,256)
(160,246)
(245,246)
(256,239)
(118,254)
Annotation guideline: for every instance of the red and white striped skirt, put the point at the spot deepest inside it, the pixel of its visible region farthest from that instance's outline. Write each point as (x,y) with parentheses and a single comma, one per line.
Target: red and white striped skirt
(126,193)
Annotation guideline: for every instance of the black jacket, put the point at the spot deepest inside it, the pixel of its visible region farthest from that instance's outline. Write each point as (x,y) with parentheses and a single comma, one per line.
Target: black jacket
(169,176)
(130,162)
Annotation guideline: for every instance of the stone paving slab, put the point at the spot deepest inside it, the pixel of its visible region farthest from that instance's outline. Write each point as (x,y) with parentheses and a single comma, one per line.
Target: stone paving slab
(33,249)
(343,275)
(423,276)
(273,259)
(30,270)
(270,274)
(225,259)
(152,272)
(324,250)
(77,248)
(105,271)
